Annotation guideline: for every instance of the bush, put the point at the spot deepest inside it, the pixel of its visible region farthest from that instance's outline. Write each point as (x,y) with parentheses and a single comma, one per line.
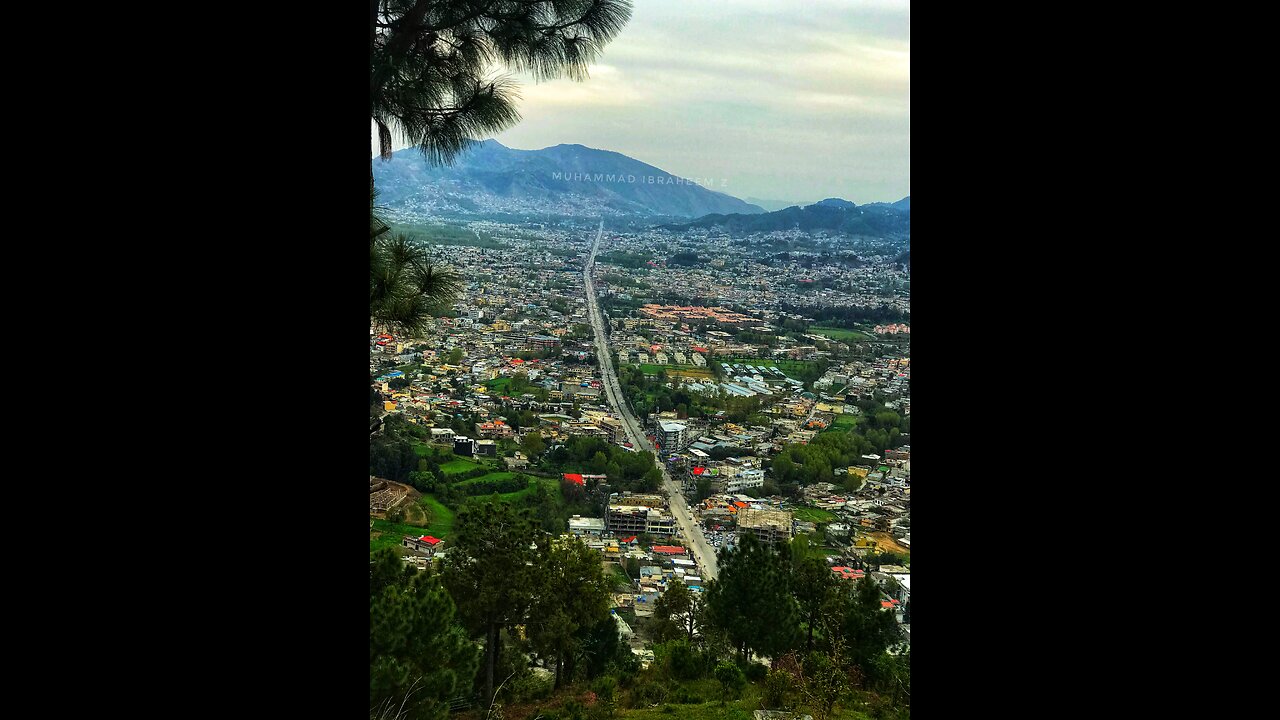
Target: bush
(530,687)
(779,689)
(683,662)
(574,710)
(646,693)
(756,672)
(685,696)
(604,688)
(731,680)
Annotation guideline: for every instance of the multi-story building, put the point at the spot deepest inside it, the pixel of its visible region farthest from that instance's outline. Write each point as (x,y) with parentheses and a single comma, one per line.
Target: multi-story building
(613,426)
(634,514)
(769,526)
(671,436)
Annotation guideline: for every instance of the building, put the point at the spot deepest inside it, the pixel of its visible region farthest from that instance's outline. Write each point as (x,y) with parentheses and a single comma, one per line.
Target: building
(581,526)
(629,519)
(542,342)
(769,526)
(613,428)
(463,445)
(671,436)
(744,480)
(424,545)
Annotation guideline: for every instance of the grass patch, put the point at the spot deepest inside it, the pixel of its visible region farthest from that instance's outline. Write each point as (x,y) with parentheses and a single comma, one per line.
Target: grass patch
(520,494)
(841,334)
(621,582)
(426,517)
(813,515)
(458,466)
(484,478)
(844,423)
(675,370)
(440,523)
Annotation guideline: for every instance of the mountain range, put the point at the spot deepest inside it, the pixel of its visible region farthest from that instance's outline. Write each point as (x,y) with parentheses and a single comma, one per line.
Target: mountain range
(881,220)
(561,180)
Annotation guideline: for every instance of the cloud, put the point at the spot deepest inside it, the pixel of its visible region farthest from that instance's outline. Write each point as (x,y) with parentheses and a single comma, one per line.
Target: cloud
(784,100)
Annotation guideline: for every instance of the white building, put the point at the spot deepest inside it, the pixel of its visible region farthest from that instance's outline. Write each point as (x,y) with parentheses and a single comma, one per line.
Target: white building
(671,436)
(581,526)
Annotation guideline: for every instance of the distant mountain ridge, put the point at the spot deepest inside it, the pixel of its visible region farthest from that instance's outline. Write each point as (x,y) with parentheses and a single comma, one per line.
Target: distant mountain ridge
(881,220)
(561,180)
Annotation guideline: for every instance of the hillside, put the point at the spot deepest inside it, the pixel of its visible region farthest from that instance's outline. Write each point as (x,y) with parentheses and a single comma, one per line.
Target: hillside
(571,180)
(833,214)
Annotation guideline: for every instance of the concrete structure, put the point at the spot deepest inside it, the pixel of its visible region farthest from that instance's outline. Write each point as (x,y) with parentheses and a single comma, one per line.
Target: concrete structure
(635,519)
(580,526)
(671,436)
(769,526)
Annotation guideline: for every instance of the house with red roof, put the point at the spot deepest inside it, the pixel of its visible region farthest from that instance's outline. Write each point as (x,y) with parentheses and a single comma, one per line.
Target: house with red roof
(423,545)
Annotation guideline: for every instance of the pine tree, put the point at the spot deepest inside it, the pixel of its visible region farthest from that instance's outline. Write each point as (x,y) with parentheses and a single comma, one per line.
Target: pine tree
(751,601)
(430,70)
(572,597)
(491,570)
(418,654)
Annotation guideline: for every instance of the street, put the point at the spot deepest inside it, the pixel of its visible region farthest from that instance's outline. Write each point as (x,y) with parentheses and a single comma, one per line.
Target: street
(703,553)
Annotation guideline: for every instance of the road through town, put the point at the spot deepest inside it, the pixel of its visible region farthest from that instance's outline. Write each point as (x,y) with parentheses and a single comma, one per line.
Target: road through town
(703,553)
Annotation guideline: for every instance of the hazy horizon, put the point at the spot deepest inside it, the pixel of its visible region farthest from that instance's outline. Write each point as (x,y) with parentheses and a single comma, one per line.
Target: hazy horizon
(779,102)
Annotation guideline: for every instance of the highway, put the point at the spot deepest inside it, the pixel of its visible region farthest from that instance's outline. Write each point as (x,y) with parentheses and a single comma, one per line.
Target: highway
(703,553)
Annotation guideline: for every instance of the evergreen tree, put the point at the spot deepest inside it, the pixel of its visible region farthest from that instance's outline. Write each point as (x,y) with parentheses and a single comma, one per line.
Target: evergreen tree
(418,654)
(813,584)
(867,629)
(751,601)
(430,73)
(491,571)
(572,596)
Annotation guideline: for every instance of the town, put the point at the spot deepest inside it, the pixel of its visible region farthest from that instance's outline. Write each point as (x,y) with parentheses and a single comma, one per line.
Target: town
(657,394)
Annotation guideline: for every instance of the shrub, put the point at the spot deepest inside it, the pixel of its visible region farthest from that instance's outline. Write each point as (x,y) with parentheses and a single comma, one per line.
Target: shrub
(683,661)
(756,672)
(731,680)
(646,693)
(530,687)
(779,690)
(685,696)
(604,688)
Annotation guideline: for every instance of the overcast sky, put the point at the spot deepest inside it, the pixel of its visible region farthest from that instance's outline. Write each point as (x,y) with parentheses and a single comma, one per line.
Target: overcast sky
(780,100)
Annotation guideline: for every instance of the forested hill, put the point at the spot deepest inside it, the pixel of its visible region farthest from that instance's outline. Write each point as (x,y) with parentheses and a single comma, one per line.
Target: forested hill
(878,220)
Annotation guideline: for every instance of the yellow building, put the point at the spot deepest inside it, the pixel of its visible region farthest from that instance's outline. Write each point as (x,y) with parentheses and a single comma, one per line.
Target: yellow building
(389,406)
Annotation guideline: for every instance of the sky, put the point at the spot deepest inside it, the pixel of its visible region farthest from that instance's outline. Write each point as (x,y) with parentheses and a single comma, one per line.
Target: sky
(776,100)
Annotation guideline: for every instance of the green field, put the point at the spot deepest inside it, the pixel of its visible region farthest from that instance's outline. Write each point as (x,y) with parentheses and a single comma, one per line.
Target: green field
(841,334)
(813,515)
(458,466)
(499,385)
(485,478)
(438,522)
(519,494)
(844,423)
(690,370)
